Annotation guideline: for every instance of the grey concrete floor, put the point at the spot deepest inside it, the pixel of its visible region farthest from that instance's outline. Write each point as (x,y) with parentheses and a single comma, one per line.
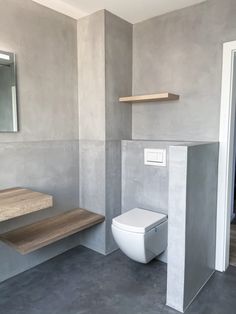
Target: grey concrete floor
(81,281)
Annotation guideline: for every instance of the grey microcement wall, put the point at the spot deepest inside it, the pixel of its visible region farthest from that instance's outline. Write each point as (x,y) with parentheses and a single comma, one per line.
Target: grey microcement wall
(192,221)
(44,155)
(144,186)
(181,52)
(74,151)
(105,73)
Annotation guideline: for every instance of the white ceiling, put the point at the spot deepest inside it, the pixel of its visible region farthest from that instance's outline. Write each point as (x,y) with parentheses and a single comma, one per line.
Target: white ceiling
(131,10)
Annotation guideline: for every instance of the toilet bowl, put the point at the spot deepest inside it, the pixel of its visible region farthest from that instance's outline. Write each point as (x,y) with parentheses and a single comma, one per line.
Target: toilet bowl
(140,234)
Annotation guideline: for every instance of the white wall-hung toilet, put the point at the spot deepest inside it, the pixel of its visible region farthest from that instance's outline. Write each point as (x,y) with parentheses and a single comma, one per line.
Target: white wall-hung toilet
(141,234)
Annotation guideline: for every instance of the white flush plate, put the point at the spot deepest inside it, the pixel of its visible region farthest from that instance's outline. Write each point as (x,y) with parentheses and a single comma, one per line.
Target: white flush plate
(155,157)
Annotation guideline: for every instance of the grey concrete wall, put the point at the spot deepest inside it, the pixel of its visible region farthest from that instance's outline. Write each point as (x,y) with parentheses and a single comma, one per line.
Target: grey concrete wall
(200,218)
(91,76)
(192,221)
(113,189)
(176,226)
(181,52)
(104,72)
(50,167)
(143,185)
(92,132)
(118,43)
(46,55)
(44,155)
(93,189)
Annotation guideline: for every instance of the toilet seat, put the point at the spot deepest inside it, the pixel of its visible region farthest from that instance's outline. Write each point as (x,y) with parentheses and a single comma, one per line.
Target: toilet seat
(139,220)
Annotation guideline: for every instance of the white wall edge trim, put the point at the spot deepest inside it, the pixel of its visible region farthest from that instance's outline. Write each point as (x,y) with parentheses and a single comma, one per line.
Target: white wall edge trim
(225,164)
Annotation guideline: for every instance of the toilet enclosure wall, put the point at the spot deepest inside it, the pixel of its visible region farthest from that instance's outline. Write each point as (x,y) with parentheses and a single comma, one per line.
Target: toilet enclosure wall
(192,221)
(144,186)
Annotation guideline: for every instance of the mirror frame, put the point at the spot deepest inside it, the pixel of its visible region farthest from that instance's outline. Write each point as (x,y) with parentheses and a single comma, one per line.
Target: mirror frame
(10,57)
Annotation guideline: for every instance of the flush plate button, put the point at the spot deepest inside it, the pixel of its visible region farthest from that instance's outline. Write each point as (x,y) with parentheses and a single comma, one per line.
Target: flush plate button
(155,157)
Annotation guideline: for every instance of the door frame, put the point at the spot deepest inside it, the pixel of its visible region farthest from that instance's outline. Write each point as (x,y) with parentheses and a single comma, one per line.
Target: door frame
(226,156)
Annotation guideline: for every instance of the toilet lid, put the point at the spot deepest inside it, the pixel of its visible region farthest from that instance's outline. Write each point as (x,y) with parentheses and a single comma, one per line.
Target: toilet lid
(139,220)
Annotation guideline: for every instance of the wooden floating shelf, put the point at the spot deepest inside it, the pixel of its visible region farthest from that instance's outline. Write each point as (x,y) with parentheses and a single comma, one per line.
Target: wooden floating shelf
(39,234)
(17,202)
(152,97)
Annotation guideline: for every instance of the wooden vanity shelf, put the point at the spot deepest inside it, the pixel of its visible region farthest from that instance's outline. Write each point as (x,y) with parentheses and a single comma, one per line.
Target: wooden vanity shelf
(39,234)
(17,202)
(147,98)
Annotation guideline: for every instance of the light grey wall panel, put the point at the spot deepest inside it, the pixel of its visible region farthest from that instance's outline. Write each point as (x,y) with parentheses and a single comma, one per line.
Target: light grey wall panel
(113,189)
(50,167)
(91,80)
(91,76)
(192,221)
(200,217)
(144,186)
(92,190)
(181,52)
(44,155)
(118,71)
(100,189)
(118,43)
(176,227)
(105,72)
(45,45)
(92,175)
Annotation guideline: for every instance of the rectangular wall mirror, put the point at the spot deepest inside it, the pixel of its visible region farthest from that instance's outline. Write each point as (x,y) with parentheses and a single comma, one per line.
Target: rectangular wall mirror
(8,101)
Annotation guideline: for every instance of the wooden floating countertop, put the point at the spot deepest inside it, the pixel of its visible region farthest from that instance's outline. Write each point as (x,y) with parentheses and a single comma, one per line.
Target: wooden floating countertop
(39,234)
(18,202)
(152,97)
